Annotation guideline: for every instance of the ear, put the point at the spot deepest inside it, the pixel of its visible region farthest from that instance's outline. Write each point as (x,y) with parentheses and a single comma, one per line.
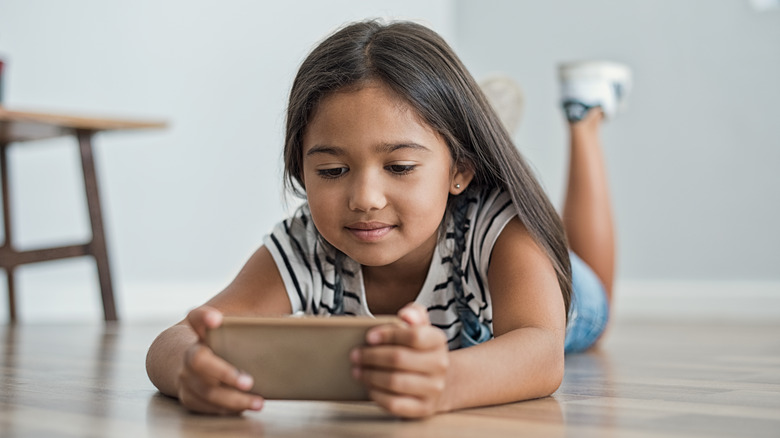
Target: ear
(462,174)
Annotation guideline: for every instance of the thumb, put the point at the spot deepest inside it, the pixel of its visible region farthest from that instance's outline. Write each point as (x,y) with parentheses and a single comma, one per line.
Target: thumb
(414,314)
(203,318)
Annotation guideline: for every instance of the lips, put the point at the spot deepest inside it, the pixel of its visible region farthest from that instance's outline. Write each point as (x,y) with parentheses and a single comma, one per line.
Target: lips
(370,231)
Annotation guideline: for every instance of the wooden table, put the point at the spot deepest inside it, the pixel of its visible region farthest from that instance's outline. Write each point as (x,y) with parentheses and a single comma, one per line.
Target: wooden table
(20,127)
(655,379)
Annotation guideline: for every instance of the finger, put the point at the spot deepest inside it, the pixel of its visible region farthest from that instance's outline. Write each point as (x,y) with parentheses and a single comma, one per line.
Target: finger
(419,337)
(402,405)
(203,318)
(414,314)
(201,361)
(218,400)
(209,380)
(195,404)
(221,399)
(389,357)
(401,383)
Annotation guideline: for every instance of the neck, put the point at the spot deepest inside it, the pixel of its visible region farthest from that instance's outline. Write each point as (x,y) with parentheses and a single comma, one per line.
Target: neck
(390,287)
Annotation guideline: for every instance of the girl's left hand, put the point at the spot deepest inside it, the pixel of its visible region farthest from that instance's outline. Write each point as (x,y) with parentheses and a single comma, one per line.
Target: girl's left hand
(405,367)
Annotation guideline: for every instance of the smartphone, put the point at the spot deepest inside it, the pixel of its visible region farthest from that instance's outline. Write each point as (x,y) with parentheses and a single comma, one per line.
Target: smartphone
(296,357)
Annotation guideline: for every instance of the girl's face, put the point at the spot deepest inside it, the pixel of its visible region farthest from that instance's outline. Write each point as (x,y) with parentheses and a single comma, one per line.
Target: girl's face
(377,177)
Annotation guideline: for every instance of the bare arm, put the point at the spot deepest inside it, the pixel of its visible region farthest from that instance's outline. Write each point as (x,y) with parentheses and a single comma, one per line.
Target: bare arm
(180,365)
(410,372)
(525,360)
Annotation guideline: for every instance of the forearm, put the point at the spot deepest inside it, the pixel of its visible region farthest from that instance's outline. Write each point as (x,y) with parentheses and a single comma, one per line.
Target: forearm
(166,357)
(523,364)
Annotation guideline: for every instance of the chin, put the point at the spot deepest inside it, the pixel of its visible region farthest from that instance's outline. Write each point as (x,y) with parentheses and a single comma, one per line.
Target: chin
(373,261)
(371,258)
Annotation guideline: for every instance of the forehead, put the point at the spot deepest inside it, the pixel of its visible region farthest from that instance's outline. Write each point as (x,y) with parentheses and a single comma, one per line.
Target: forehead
(369,114)
(370,91)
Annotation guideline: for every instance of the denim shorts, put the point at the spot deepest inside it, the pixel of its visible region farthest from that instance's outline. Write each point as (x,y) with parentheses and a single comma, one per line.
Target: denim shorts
(589,310)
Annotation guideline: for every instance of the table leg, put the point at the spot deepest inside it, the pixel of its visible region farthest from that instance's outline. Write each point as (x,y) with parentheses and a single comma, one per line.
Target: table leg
(9,269)
(98,245)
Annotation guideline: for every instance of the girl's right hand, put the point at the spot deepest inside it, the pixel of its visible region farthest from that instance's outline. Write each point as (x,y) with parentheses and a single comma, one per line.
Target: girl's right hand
(207,383)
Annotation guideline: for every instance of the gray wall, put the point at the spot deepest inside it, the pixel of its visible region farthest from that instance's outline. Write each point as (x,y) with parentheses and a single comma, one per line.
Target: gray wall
(185,207)
(694,163)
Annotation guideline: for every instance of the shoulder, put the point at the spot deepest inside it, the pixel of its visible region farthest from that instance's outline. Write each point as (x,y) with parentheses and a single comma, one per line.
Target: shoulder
(294,239)
(489,212)
(299,225)
(523,283)
(489,203)
(516,240)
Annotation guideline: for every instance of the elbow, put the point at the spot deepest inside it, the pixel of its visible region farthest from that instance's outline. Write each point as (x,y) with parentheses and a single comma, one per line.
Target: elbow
(552,378)
(151,368)
(556,376)
(162,365)
(552,375)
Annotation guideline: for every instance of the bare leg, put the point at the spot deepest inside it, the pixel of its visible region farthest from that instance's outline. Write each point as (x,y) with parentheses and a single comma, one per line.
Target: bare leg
(587,211)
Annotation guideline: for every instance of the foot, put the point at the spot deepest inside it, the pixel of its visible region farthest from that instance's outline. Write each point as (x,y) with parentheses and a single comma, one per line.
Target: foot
(594,84)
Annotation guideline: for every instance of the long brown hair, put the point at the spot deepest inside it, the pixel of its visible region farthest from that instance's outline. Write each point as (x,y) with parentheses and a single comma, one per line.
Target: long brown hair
(418,65)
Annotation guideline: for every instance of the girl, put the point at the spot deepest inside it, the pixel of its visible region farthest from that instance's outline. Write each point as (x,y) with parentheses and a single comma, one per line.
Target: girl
(419,205)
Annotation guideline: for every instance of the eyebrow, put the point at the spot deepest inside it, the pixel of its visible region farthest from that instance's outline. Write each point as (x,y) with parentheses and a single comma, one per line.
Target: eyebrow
(382,148)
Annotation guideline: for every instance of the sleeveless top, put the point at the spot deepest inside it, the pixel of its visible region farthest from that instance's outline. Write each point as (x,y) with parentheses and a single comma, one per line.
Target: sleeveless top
(305,263)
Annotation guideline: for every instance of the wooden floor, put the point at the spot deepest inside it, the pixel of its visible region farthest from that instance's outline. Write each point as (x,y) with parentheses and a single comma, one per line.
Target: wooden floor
(659,379)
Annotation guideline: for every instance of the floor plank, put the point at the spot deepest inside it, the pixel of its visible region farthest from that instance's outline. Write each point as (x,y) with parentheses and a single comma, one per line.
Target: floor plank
(647,379)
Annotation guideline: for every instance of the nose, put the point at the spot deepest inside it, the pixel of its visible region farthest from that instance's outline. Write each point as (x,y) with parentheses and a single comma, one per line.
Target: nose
(367,192)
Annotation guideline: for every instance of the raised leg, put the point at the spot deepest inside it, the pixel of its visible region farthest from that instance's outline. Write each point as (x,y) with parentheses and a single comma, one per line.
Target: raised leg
(587,211)
(98,246)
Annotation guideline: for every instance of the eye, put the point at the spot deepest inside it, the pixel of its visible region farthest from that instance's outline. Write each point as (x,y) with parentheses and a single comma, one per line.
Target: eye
(400,169)
(332,172)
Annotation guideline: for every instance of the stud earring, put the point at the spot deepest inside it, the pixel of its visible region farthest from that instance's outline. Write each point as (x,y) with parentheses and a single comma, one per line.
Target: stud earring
(457,186)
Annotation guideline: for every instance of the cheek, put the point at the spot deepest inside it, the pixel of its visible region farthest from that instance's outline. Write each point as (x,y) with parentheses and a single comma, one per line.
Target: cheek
(321,203)
(428,200)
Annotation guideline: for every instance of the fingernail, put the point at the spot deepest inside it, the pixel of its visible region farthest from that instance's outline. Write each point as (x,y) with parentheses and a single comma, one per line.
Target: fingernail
(409,315)
(417,316)
(354,356)
(212,319)
(356,372)
(244,381)
(256,404)
(373,337)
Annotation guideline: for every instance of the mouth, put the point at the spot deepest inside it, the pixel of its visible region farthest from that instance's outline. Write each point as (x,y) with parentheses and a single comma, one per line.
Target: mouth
(370,231)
